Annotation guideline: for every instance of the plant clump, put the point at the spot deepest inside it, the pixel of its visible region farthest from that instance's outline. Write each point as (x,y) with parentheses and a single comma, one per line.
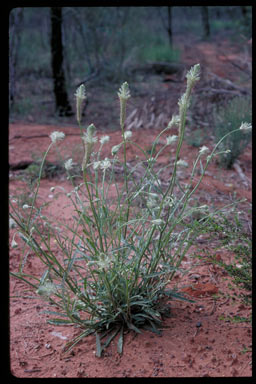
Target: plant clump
(116,261)
(228,118)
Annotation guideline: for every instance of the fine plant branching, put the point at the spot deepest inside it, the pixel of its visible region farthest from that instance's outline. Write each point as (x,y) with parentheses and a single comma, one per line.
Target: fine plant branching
(108,272)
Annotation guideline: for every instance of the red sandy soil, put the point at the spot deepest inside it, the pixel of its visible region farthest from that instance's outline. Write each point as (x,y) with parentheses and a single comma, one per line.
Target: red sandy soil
(218,348)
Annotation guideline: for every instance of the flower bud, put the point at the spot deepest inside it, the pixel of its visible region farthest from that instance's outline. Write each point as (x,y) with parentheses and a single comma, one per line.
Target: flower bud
(193,75)
(124,92)
(245,127)
(115,149)
(80,96)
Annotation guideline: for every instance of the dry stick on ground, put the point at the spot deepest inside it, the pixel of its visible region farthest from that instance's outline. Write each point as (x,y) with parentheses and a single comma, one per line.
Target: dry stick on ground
(248,62)
(37,136)
(242,176)
(227,91)
(230,84)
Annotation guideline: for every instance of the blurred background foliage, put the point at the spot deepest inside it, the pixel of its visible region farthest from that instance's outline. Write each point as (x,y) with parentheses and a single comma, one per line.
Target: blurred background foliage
(104,44)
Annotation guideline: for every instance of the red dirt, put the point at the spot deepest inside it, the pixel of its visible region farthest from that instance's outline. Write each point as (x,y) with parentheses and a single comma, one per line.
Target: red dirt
(199,340)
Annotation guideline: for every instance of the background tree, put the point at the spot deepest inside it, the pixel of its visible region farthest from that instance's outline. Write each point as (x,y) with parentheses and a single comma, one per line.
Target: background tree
(101,46)
(205,21)
(61,97)
(15,24)
(167,24)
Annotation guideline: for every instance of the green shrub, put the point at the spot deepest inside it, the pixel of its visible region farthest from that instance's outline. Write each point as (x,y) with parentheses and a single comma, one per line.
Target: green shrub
(158,50)
(228,118)
(114,263)
(196,137)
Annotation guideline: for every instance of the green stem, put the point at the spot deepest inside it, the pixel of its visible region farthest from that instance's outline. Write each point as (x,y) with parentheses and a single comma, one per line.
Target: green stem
(38,184)
(93,209)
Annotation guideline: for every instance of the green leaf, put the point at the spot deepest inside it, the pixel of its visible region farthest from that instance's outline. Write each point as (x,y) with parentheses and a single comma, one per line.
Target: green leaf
(120,342)
(98,345)
(71,262)
(154,314)
(152,328)
(59,322)
(76,340)
(177,295)
(54,313)
(111,337)
(156,274)
(131,326)
(44,276)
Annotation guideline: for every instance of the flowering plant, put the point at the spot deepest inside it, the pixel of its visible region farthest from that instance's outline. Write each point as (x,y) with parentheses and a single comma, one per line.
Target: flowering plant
(117,260)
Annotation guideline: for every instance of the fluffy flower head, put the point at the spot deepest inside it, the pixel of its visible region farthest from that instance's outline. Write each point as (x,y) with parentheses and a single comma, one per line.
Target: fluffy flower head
(69,164)
(245,127)
(104,139)
(57,136)
(105,164)
(203,150)
(171,139)
(174,121)
(182,163)
(127,134)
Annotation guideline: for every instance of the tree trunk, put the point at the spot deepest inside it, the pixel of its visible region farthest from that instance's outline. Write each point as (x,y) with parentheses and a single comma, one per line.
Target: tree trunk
(169,26)
(205,21)
(61,97)
(244,11)
(16,17)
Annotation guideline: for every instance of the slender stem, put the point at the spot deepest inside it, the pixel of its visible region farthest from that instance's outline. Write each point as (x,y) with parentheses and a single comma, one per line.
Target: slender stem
(38,184)
(122,120)
(93,209)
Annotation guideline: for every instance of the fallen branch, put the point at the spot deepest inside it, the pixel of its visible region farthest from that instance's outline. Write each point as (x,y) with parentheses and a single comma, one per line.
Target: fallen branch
(38,136)
(229,84)
(242,176)
(221,90)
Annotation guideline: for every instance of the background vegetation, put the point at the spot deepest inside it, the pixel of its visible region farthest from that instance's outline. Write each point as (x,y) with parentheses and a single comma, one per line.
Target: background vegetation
(103,44)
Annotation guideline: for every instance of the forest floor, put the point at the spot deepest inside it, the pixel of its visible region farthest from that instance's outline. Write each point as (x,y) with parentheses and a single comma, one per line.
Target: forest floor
(222,345)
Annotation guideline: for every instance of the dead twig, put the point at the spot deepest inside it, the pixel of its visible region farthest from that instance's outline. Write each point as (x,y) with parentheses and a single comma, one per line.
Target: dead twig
(213,308)
(38,136)
(242,176)
(224,91)
(32,370)
(39,357)
(229,83)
